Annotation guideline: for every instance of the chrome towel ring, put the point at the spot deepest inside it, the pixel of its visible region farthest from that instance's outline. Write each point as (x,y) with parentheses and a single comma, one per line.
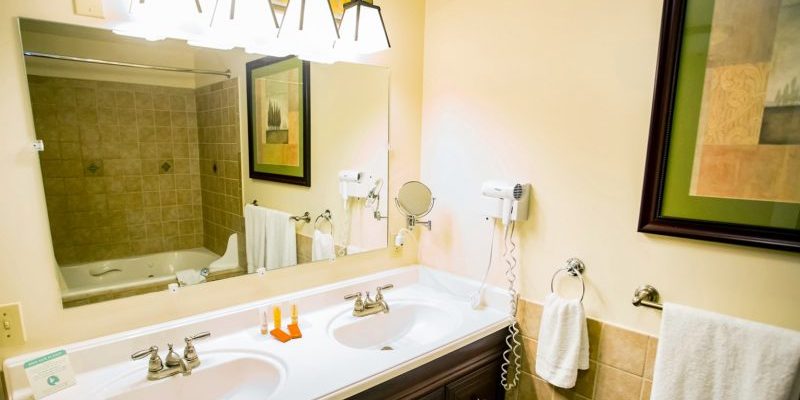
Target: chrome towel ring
(575,267)
(325,216)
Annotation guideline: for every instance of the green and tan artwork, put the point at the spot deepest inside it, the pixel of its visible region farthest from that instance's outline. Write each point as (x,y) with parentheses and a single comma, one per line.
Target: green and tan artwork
(277,106)
(748,142)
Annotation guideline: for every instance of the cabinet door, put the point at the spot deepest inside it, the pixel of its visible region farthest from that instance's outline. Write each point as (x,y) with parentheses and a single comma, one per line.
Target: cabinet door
(437,394)
(482,384)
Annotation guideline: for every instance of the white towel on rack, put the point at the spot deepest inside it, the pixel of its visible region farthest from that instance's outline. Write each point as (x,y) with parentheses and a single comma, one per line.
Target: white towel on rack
(708,356)
(270,238)
(563,346)
(322,246)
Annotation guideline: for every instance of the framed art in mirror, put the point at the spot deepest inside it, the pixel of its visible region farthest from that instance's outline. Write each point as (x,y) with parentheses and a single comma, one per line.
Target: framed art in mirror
(723,159)
(279,127)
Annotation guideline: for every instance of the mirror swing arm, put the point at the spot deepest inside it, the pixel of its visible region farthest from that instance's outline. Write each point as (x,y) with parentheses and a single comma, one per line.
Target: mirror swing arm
(414,220)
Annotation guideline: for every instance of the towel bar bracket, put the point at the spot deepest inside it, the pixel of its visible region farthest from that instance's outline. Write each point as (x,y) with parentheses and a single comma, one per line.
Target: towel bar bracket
(647,296)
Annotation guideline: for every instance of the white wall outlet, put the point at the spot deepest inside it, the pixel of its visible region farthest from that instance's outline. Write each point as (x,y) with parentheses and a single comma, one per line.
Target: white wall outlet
(12,333)
(89,8)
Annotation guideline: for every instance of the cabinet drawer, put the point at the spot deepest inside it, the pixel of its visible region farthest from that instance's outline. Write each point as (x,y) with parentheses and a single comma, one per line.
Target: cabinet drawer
(481,384)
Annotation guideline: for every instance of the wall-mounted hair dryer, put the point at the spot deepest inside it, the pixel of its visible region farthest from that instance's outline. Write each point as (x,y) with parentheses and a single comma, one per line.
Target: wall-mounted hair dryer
(506,201)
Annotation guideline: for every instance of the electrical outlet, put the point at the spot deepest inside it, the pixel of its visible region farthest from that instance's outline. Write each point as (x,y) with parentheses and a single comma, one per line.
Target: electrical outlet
(12,333)
(89,8)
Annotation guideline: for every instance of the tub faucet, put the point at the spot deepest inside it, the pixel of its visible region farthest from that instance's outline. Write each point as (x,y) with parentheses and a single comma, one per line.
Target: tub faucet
(173,364)
(366,306)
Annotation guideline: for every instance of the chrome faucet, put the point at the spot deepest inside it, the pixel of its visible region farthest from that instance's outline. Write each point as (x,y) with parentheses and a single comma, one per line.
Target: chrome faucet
(366,306)
(175,364)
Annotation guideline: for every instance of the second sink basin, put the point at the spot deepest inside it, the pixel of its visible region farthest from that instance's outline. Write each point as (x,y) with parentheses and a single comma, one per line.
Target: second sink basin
(408,324)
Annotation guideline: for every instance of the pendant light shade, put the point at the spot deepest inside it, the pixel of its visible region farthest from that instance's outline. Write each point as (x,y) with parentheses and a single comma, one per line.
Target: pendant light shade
(362,30)
(159,19)
(308,26)
(242,23)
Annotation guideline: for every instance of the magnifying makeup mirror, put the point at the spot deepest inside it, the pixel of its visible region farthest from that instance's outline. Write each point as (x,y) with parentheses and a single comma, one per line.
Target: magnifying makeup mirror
(415,201)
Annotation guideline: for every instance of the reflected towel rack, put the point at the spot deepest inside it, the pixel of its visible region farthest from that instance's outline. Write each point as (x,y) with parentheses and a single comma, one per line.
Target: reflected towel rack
(325,216)
(226,73)
(647,296)
(306,217)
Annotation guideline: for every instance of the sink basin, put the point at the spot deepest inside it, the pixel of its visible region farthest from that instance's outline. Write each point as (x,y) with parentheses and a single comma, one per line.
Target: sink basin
(408,324)
(223,375)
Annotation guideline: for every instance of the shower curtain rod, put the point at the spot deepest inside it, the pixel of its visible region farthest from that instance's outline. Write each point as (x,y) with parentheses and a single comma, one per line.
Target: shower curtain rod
(226,73)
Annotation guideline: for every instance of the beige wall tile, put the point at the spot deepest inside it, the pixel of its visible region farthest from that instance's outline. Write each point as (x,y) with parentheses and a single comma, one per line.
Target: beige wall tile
(650,359)
(615,384)
(533,388)
(623,349)
(529,315)
(647,387)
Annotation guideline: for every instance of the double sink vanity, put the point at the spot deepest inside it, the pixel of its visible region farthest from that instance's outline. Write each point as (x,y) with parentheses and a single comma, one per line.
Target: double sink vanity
(340,355)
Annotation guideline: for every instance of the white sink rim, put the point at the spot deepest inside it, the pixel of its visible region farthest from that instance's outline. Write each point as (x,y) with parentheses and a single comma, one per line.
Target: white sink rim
(133,380)
(364,326)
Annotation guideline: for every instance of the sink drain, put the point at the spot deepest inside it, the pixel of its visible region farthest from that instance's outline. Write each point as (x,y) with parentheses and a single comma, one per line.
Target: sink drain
(386,348)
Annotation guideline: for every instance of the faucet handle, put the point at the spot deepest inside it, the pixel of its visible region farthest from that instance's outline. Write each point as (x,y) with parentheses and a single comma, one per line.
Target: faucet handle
(197,336)
(152,351)
(385,287)
(352,296)
(379,295)
(155,364)
(189,353)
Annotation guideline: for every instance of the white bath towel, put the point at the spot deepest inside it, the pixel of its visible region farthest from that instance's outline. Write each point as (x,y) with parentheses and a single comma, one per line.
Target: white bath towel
(322,246)
(188,277)
(709,356)
(563,346)
(270,239)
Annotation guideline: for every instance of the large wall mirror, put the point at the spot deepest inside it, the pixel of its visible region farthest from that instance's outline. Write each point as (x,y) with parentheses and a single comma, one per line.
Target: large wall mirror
(145,169)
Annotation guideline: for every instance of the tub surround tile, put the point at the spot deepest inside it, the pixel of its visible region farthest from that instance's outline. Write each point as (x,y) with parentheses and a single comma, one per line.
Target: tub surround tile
(102,137)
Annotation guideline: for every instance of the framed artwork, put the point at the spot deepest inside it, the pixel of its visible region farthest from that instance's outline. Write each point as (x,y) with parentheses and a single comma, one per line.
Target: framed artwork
(278,120)
(723,159)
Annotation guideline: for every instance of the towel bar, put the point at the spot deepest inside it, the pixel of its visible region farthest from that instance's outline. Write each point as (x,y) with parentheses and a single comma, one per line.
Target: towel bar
(647,296)
(305,217)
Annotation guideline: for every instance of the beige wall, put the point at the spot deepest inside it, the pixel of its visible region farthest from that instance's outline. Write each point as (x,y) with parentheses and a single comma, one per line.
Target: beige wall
(27,266)
(349,123)
(558,94)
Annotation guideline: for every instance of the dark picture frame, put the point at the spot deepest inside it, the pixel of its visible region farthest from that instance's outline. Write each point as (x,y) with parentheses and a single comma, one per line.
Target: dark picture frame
(651,218)
(262,171)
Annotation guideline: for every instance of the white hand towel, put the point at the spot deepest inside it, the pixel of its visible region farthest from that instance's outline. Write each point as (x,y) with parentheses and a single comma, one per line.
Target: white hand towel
(281,240)
(255,227)
(322,246)
(709,356)
(563,346)
(269,238)
(187,277)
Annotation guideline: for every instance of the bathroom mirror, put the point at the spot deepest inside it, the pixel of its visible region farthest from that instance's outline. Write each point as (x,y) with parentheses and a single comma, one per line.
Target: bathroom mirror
(415,200)
(142,164)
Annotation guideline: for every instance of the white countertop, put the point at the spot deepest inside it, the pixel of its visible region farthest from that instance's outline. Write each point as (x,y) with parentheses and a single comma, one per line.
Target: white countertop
(314,367)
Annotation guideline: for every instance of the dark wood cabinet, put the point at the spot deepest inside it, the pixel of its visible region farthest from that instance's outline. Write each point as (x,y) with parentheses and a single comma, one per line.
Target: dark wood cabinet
(469,373)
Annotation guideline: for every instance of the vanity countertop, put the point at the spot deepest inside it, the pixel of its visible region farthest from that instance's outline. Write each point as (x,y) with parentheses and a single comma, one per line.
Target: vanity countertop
(339,355)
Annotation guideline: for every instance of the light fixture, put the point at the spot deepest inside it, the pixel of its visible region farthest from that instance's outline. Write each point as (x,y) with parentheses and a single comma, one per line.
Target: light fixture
(158,19)
(362,30)
(219,32)
(308,26)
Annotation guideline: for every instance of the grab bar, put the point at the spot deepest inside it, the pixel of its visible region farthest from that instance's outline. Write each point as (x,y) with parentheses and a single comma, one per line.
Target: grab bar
(647,296)
(104,271)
